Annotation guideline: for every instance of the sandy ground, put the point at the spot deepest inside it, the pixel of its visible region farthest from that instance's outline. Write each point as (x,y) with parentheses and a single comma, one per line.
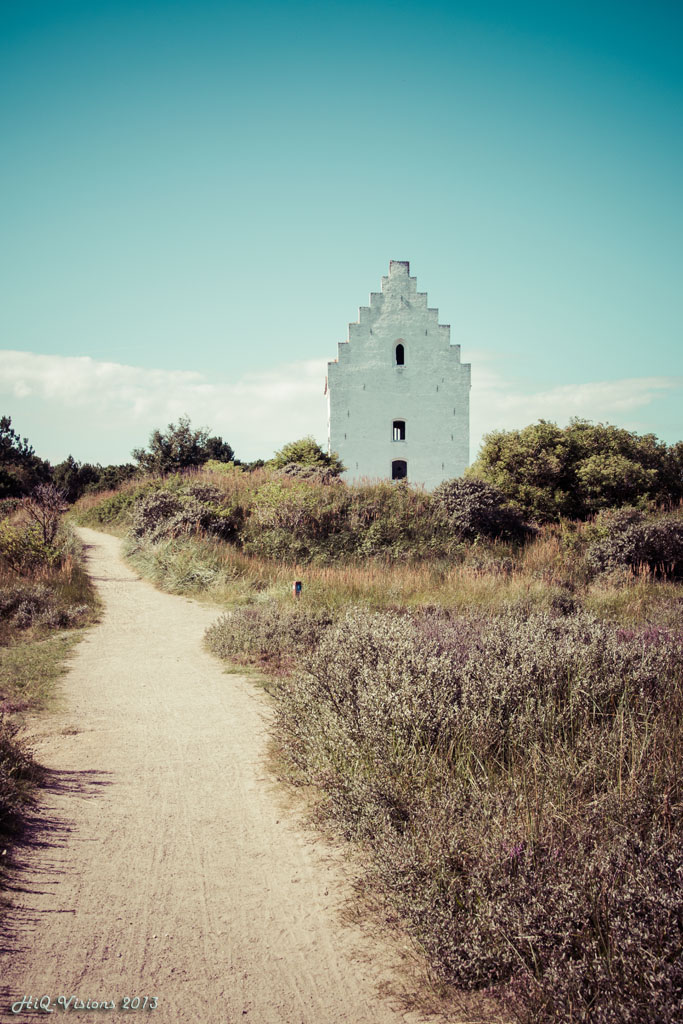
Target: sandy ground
(160,862)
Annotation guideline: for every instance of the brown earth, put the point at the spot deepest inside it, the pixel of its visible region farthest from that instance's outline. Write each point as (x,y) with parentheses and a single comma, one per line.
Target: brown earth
(160,862)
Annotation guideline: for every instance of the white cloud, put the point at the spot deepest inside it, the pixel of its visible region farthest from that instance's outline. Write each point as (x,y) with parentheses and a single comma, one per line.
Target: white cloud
(100,410)
(256,413)
(498,404)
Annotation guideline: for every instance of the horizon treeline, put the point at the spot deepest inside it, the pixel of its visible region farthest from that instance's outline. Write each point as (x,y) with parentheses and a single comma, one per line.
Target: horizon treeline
(545,472)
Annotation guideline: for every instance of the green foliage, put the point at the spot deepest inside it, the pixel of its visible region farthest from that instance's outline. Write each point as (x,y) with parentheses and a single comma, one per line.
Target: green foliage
(197,508)
(282,517)
(180,447)
(218,450)
(613,520)
(573,472)
(75,479)
(224,468)
(295,520)
(20,468)
(652,546)
(609,479)
(472,508)
(72,478)
(307,452)
(109,477)
(394,520)
(114,510)
(24,550)
(29,539)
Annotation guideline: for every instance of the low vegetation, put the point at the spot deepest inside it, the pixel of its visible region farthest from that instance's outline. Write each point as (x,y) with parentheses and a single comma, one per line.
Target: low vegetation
(482,685)
(517,783)
(489,704)
(238,536)
(44,593)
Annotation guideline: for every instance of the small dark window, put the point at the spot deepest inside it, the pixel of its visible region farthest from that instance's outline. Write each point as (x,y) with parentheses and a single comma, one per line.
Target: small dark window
(399,430)
(399,469)
(400,355)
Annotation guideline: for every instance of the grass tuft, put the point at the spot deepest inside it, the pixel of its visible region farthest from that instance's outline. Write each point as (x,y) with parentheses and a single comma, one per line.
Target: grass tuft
(43,600)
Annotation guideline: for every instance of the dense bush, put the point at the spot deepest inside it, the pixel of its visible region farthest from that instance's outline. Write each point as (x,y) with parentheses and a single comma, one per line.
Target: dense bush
(159,509)
(296,519)
(396,520)
(301,514)
(24,603)
(151,513)
(472,509)
(550,472)
(42,586)
(652,546)
(23,549)
(114,509)
(270,635)
(313,474)
(304,520)
(166,513)
(519,781)
(613,520)
(307,453)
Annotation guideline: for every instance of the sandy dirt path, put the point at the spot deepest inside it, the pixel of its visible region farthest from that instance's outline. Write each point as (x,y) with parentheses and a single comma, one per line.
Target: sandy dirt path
(160,862)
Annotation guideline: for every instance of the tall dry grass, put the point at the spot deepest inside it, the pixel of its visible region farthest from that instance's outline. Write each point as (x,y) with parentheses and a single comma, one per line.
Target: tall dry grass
(45,594)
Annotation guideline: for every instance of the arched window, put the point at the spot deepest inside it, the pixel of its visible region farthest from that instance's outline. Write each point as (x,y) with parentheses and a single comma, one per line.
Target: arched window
(399,430)
(400,355)
(399,469)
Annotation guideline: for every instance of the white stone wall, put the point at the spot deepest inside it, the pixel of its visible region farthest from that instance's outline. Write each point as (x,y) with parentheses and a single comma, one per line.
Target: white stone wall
(367,391)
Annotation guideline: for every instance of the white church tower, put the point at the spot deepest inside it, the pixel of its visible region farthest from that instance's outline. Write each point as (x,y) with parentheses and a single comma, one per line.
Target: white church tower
(398,395)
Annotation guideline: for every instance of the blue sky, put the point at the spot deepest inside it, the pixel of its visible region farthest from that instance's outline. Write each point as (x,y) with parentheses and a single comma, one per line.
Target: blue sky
(195,198)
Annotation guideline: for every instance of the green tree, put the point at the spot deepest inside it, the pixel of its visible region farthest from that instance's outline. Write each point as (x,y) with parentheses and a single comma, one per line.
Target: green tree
(550,472)
(73,477)
(111,477)
(181,447)
(20,468)
(307,452)
(77,478)
(473,508)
